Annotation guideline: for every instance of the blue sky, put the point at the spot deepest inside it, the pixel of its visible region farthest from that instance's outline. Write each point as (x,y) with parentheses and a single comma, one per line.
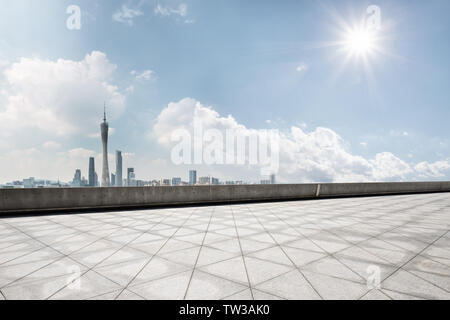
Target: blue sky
(239,58)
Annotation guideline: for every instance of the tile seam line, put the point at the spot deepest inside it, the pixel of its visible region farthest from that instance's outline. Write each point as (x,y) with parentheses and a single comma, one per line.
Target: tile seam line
(242,252)
(356,244)
(92,267)
(151,258)
(325,251)
(418,254)
(63,255)
(281,248)
(50,245)
(198,255)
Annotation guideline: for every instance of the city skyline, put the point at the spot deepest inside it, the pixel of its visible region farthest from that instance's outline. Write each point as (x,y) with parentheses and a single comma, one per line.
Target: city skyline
(295,68)
(115,179)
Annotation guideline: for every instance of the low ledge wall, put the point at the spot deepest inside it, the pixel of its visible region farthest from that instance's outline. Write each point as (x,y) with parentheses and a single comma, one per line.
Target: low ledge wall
(63,199)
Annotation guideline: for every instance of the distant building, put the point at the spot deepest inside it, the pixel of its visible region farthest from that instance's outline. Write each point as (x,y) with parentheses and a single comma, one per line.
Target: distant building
(272,179)
(265,182)
(192,177)
(214,181)
(140,183)
(131,177)
(28,183)
(97,184)
(92,181)
(165,182)
(204,180)
(113,179)
(76,182)
(176,181)
(119,177)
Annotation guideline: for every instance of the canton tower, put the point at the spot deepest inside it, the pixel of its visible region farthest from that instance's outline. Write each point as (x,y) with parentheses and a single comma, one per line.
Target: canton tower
(104,130)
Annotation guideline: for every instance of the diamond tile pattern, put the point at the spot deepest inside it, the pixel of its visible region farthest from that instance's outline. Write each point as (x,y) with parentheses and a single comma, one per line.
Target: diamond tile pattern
(319,249)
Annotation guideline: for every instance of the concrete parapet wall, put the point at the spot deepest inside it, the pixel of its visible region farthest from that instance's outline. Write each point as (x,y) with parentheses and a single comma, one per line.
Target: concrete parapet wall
(58,199)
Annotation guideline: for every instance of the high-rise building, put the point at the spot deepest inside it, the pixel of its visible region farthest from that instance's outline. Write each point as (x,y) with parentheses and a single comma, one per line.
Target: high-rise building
(104,131)
(176,181)
(272,179)
(214,181)
(113,179)
(76,182)
(131,178)
(96,183)
(119,168)
(91,175)
(192,177)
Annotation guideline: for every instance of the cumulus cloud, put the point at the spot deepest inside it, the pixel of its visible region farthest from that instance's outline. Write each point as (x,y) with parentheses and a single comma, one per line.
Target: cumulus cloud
(145,75)
(320,155)
(126,15)
(62,97)
(433,170)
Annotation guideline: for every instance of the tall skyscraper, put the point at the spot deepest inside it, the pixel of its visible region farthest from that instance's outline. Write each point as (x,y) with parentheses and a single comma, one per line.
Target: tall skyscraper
(131,178)
(272,179)
(192,177)
(104,130)
(76,182)
(91,176)
(119,168)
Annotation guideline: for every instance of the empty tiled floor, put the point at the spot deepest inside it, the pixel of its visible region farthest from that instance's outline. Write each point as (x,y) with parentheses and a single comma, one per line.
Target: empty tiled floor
(322,249)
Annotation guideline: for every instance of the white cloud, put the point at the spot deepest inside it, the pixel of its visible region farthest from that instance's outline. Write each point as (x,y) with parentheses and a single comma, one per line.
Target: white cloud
(126,15)
(62,97)
(433,170)
(51,145)
(145,75)
(386,166)
(179,12)
(316,156)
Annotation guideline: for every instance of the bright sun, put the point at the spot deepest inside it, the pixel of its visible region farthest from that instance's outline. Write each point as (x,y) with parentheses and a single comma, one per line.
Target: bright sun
(360,42)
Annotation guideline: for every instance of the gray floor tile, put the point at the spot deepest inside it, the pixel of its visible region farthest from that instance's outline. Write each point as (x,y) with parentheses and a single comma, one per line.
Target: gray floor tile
(204,286)
(291,285)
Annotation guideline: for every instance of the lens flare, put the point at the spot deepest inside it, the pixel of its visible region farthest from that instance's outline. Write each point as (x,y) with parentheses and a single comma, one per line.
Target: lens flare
(360,42)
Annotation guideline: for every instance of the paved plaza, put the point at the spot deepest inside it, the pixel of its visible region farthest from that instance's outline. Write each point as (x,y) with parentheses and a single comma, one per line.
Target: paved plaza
(319,249)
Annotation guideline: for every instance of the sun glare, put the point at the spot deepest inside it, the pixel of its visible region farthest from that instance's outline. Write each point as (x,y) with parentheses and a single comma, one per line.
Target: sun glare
(360,42)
